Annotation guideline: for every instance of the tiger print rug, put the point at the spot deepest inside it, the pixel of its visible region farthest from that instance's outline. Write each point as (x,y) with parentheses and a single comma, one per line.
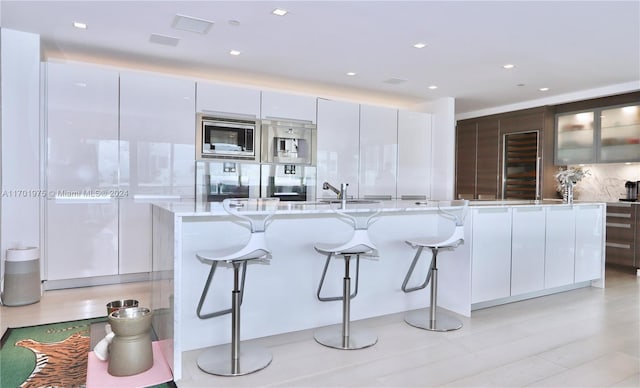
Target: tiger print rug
(53,355)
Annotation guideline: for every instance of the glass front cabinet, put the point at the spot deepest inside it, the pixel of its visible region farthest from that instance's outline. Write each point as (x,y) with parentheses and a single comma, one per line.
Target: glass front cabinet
(603,135)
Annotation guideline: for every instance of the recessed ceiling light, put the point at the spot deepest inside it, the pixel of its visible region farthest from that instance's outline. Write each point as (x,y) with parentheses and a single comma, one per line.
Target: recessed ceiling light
(234,52)
(80,25)
(279,12)
(543,89)
(420,45)
(351,73)
(520,85)
(508,66)
(433,87)
(189,23)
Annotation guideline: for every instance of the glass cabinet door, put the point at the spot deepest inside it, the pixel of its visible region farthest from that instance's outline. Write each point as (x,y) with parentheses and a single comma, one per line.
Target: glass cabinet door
(620,134)
(575,138)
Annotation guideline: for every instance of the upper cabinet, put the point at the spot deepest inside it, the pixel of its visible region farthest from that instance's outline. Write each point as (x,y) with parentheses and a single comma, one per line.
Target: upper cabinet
(288,106)
(575,138)
(620,134)
(599,135)
(477,154)
(224,99)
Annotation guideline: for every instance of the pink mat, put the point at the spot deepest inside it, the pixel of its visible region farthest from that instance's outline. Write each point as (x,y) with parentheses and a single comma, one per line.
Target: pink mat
(97,375)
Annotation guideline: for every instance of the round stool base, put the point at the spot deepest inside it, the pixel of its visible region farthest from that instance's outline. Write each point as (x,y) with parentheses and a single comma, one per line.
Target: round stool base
(421,319)
(217,360)
(331,336)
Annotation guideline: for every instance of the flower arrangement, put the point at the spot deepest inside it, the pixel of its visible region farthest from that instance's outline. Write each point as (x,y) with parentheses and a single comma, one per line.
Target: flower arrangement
(571,175)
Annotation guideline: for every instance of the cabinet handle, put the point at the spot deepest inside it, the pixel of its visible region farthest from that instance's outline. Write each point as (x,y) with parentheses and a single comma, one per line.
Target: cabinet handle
(616,225)
(538,159)
(619,215)
(615,245)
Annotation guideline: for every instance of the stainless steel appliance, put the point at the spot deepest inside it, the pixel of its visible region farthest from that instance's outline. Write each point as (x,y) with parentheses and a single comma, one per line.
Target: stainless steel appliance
(217,180)
(289,182)
(288,142)
(632,188)
(228,137)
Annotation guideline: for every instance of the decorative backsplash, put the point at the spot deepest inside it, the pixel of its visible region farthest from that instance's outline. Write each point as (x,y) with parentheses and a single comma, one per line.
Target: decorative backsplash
(606,181)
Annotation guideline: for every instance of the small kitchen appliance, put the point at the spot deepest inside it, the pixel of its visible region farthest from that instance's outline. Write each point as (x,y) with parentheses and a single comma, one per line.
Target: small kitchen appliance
(228,138)
(632,188)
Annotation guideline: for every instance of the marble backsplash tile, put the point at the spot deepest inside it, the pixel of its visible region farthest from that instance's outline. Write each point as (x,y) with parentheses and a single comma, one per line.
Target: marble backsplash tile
(606,182)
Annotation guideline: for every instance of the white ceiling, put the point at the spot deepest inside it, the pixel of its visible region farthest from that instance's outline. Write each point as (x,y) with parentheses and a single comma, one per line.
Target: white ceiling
(567,46)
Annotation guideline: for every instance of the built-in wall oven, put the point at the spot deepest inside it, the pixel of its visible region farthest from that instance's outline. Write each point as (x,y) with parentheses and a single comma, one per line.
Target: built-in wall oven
(226,137)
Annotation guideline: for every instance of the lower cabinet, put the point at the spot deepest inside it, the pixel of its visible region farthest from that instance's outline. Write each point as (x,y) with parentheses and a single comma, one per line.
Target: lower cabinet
(560,246)
(491,254)
(521,250)
(527,250)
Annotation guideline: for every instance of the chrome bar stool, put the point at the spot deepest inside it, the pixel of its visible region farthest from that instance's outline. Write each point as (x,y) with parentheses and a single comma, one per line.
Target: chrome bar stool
(237,359)
(433,319)
(342,336)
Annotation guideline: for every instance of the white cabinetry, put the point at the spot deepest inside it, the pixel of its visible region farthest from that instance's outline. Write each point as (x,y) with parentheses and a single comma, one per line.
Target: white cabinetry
(221,99)
(414,154)
(378,151)
(288,106)
(82,165)
(157,138)
(338,138)
(560,246)
(589,237)
(527,250)
(491,254)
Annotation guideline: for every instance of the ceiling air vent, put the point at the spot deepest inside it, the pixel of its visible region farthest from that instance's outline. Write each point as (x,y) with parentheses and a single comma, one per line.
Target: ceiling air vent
(164,39)
(189,23)
(395,81)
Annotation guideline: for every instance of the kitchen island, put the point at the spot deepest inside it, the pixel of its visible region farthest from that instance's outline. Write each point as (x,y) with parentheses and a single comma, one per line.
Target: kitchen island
(513,250)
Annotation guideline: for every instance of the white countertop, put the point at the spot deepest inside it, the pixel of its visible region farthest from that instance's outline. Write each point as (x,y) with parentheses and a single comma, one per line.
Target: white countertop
(191,208)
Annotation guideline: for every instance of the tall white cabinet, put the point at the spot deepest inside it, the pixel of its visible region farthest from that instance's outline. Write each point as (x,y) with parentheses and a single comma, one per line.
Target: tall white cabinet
(82,172)
(338,140)
(157,144)
(414,155)
(378,151)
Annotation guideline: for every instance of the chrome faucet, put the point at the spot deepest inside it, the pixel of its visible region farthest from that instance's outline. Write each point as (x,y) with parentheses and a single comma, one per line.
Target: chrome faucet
(342,193)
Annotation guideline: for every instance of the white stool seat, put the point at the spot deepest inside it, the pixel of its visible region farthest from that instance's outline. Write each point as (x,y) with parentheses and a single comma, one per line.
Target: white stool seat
(433,319)
(341,336)
(232,359)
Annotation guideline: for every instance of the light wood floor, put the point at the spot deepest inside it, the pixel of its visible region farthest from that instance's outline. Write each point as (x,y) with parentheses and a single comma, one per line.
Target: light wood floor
(582,338)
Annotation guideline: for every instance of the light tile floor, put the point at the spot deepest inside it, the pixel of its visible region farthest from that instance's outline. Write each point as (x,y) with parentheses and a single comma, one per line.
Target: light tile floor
(582,338)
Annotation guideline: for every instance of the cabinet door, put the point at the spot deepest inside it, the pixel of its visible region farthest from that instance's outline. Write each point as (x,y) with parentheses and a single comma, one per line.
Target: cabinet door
(378,151)
(81,236)
(466,159)
(491,254)
(488,160)
(575,138)
(589,240)
(157,148)
(620,134)
(414,154)
(337,160)
(527,250)
(288,106)
(221,99)
(559,246)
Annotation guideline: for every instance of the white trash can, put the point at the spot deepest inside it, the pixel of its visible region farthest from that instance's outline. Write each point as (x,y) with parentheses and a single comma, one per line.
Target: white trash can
(22,277)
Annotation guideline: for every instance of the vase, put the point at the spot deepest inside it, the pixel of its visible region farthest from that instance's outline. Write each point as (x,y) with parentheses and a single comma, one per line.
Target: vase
(567,193)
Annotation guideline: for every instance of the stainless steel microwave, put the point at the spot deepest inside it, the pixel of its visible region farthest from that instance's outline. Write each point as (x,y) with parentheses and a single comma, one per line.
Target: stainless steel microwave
(228,138)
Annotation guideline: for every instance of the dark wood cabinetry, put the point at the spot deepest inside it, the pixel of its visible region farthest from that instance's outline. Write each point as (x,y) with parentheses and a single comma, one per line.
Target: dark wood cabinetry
(481,162)
(623,234)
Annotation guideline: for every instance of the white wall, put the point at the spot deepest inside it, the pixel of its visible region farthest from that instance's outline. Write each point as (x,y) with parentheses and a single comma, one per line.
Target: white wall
(20,101)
